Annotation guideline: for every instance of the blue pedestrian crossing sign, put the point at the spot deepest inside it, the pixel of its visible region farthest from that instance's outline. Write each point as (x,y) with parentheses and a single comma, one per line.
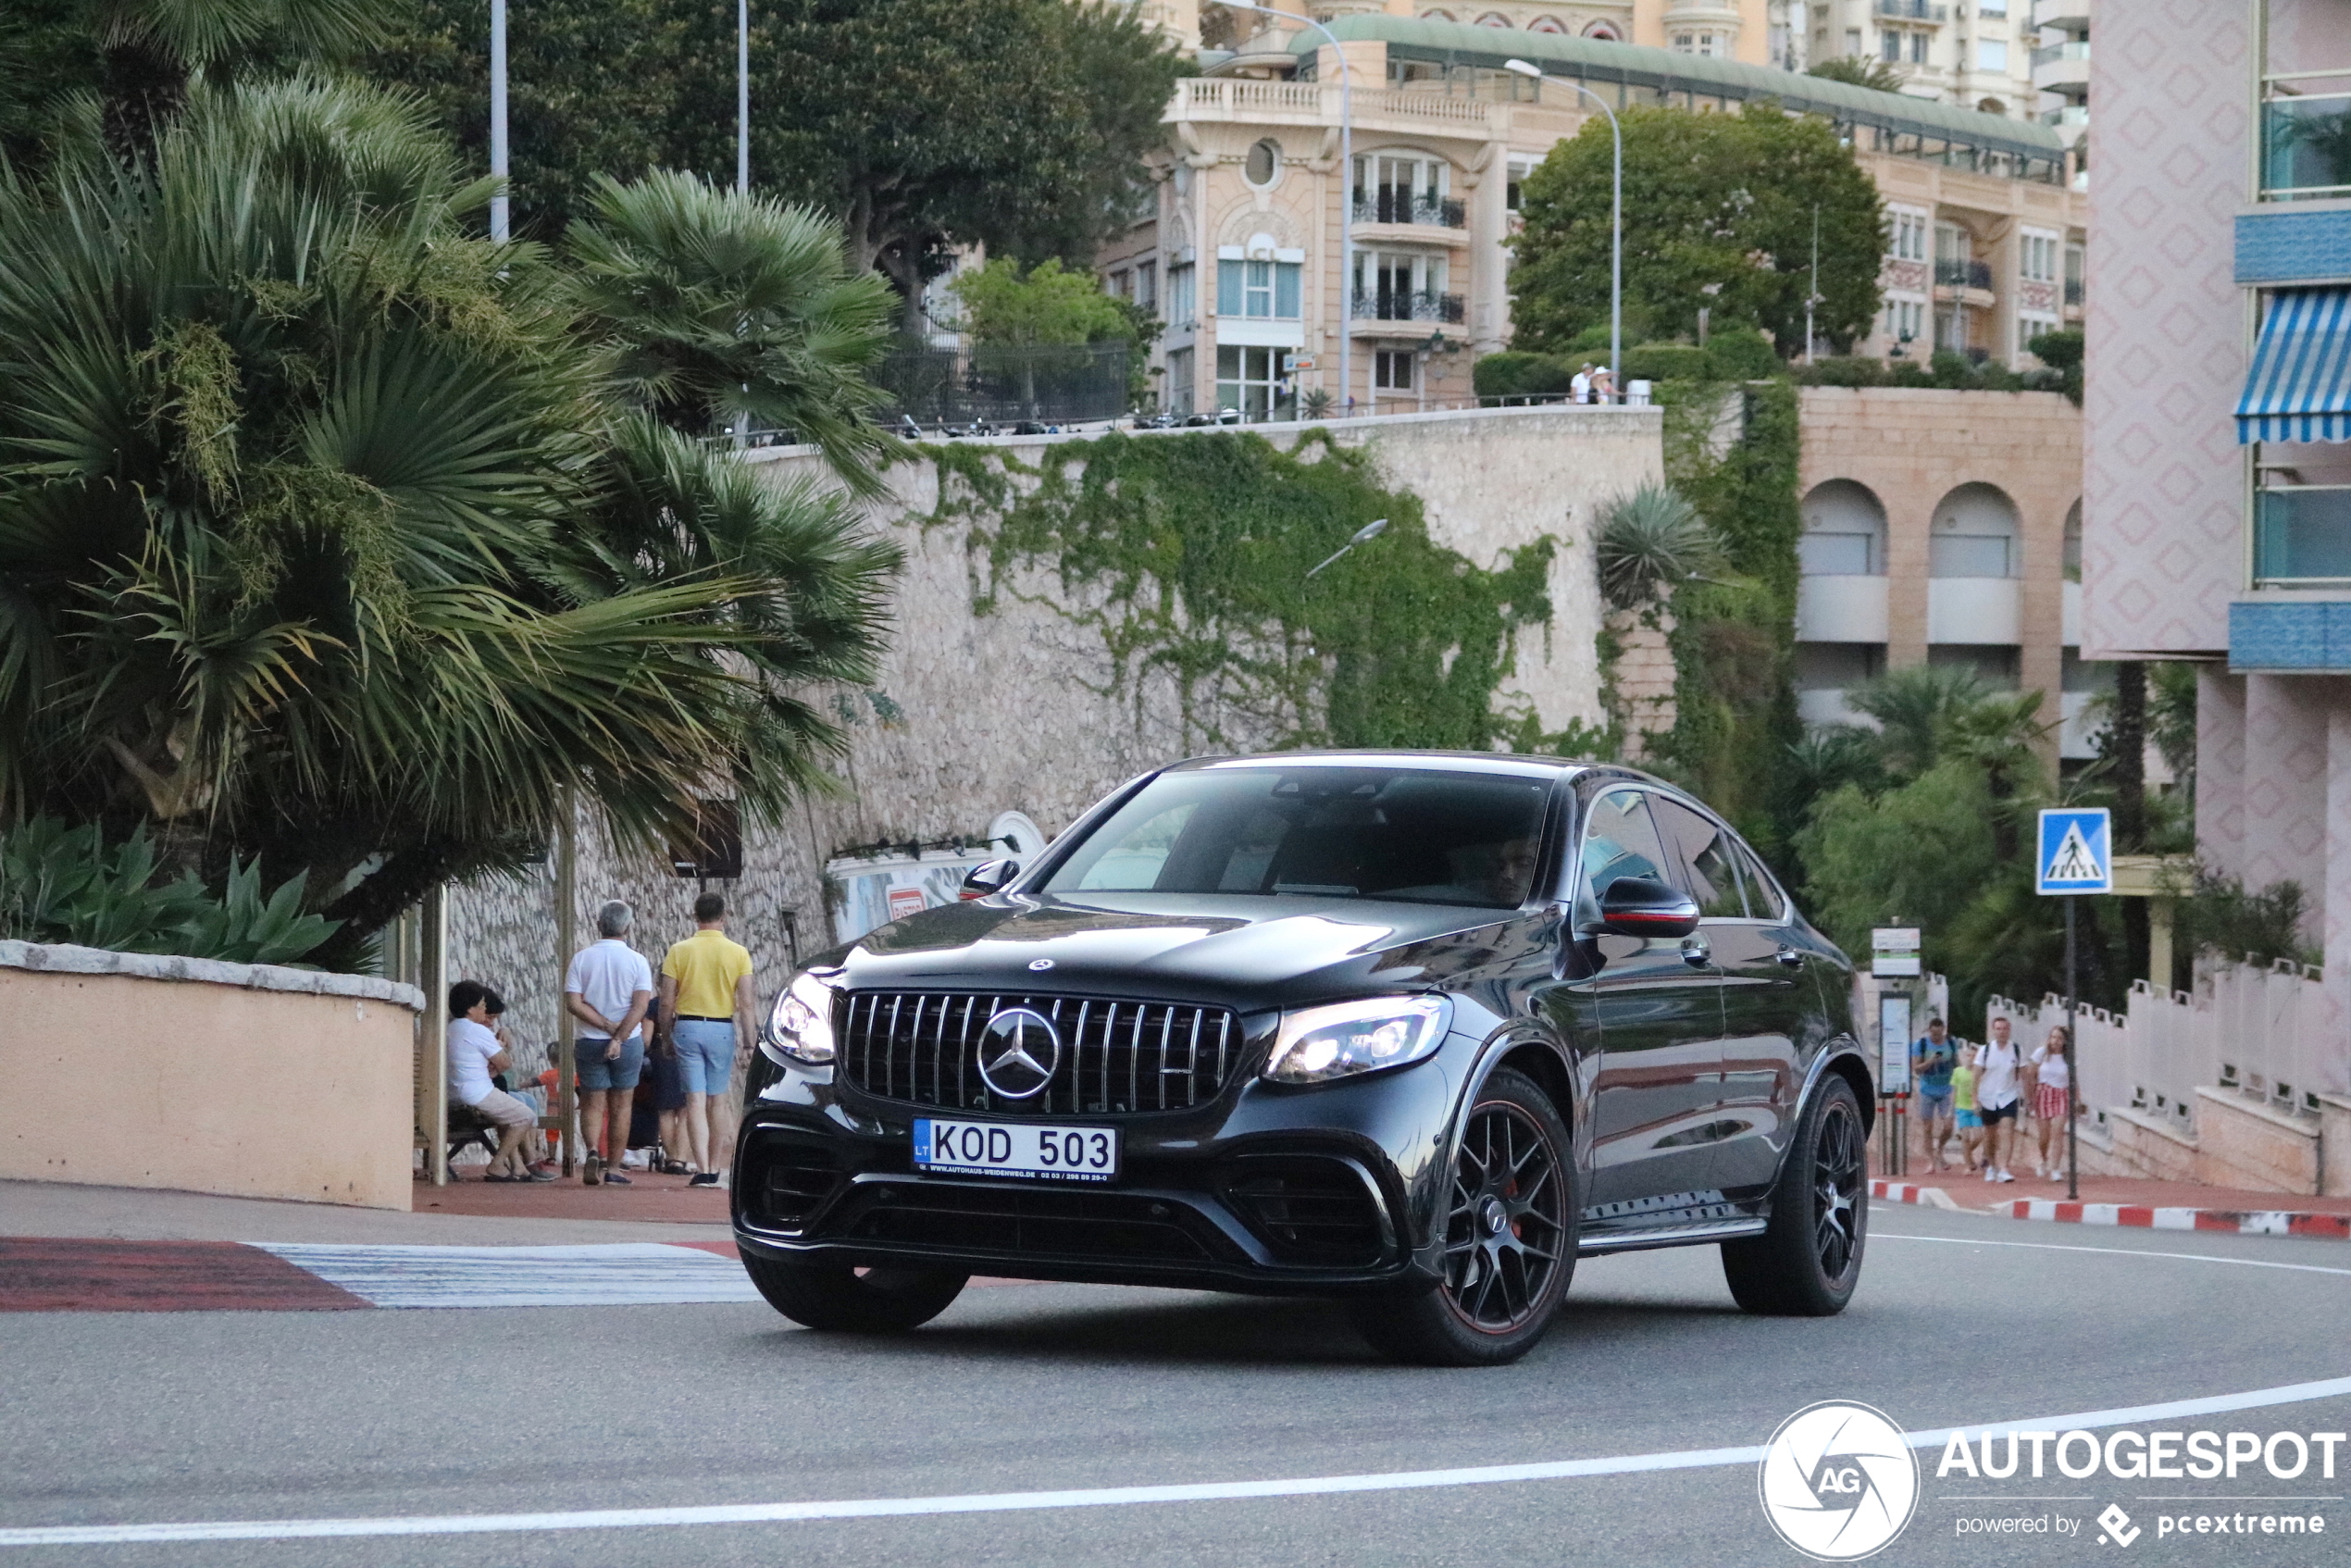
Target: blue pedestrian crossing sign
(2076,852)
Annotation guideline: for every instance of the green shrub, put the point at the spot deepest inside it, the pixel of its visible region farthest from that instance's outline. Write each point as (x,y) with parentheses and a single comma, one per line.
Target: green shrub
(1512,373)
(1664,362)
(61,884)
(1846,371)
(1740,354)
(1908,373)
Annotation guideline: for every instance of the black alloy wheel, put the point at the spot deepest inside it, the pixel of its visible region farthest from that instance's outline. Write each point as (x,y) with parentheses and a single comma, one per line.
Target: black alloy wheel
(1509,1254)
(1809,1260)
(1503,1224)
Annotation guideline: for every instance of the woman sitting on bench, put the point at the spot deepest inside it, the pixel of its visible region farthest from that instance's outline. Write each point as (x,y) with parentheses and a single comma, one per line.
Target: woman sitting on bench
(474,1054)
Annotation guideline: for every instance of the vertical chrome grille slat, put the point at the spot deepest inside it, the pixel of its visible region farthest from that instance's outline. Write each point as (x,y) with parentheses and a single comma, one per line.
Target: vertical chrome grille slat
(1109,1025)
(1191,1063)
(1134,1059)
(1166,1028)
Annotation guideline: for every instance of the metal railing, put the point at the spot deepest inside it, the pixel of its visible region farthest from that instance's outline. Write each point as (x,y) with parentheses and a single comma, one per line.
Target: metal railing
(1963,275)
(1914,11)
(2074,291)
(2049,54)
(1399,304)
(1053,384)
(1411,207)
(2302,535)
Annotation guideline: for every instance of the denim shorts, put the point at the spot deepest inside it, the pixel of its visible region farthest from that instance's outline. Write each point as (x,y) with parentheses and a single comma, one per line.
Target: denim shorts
(1935,1105)
(595,1073)
(705,1053)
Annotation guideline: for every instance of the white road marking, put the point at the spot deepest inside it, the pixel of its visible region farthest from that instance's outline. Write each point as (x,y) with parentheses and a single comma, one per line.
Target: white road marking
(2117,1251)
(1099,1497)
(597,1275)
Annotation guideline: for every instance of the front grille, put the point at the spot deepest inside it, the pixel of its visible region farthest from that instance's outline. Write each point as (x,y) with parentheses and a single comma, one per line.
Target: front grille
(1075,1225)
(1118,1057)
(1309,1211)
(789,1177)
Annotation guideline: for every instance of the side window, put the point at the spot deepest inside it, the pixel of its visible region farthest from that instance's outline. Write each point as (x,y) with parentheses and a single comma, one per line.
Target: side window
(1619,840)
(1709,856)
(1762,893)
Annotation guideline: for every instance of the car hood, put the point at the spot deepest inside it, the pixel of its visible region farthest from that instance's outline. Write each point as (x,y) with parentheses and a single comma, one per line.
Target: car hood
(1238,950)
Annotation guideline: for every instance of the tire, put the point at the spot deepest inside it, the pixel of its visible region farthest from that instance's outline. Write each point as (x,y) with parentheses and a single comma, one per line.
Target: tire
(1511,1210)
(1807,1261)
(837,1297)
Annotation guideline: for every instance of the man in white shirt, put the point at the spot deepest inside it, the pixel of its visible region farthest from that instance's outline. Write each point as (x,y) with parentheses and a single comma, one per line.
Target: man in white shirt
(474,1054)
(1997,1098)
(1579,386)
(607,990)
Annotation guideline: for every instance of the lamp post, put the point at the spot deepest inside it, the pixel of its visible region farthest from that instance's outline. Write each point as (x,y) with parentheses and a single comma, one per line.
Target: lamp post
(498,170)
(1616,215)
(743,97)
(1346,194)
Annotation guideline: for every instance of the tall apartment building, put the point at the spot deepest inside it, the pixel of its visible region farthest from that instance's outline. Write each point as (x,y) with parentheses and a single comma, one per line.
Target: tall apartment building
(1975,53)
(2217,487)
(1241,253)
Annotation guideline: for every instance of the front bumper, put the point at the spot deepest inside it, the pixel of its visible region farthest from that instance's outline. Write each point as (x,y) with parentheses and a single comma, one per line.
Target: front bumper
(1269,1190)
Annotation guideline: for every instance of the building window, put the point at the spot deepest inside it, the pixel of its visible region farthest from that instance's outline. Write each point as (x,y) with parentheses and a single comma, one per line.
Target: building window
(1263,162)
(2029,328)
(1908,242)
(1903,318)
(1973,534)
(1546,24)
(1706,44)
(1392,370)
(1179,381)
(1250,380)
(1258,291)
(1853,41)
(1120,284)
(1514,188)
(1919,42)
(1397,286)
(1605,31)
(1992,54)
(2038,258)
(1991,7)
(1405,190)
(1685,42)
(1493,18)
(1147,284)
(1889,46)
(1183,303)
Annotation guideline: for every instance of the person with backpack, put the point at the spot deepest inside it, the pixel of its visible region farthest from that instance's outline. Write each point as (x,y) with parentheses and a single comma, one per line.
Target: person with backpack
(1998,1098)
(1932,1060)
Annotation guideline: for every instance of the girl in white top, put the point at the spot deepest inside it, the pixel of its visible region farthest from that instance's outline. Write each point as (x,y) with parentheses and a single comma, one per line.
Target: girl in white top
(1997,1070)
(2052,1097)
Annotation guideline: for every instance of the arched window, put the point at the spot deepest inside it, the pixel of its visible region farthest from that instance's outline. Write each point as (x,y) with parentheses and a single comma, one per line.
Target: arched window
(1437,16)
(1991,106)
(1606,31)
(1844,531)
(1493,18)
(1546,24)
(2073,543)
(1263,162)
(1973,534)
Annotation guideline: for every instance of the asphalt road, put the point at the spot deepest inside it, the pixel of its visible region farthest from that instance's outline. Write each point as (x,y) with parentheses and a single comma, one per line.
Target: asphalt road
(1961,1319)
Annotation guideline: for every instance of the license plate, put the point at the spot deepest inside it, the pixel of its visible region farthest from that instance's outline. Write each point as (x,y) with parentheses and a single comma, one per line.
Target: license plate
(1012,1148)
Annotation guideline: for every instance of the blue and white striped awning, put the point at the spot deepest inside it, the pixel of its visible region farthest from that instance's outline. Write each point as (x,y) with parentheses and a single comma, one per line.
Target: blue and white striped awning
(2299,388)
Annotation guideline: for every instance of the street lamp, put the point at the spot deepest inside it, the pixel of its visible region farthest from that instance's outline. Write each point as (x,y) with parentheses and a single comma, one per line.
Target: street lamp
(1616,218)
(1346,194)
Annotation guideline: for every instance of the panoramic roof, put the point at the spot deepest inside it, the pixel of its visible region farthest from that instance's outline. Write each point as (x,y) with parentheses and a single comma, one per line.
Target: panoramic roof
(1637,65)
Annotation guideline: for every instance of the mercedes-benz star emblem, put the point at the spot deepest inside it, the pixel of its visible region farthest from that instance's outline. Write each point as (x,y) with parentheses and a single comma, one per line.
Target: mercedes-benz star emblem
(1018,1052)
(1040,964)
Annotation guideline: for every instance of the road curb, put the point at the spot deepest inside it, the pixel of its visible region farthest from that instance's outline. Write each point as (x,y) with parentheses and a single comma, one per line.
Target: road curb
(2242,1222)
(1906,1192)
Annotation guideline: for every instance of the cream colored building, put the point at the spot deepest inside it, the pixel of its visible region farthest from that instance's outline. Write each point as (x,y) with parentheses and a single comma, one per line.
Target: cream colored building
(1241,253)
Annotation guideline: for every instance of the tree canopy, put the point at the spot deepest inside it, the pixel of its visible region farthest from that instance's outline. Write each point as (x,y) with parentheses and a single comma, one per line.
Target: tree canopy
(1719,212)
(920,125)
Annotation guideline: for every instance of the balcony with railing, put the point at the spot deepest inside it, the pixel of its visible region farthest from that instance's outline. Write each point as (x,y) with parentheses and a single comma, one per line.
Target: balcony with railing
(1415,207)
(2305,136)
(2057,67)
(1914,11)
(2302,537)
(1408,304)
(1975,274)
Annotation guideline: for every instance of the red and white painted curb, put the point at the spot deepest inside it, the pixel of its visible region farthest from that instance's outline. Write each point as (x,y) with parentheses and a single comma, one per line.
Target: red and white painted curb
(1906,1192)
(2242,1222)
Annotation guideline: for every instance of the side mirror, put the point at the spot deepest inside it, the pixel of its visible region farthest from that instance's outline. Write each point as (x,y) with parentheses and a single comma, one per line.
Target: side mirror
(1643,906)
(993,876)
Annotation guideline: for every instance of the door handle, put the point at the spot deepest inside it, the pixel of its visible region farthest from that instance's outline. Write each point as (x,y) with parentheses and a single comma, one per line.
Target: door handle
(1790,957)
(1697,953)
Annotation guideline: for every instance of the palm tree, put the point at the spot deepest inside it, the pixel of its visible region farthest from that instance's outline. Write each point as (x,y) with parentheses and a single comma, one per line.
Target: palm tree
(1914,708)
(325,535)
(717,305)
(151,50)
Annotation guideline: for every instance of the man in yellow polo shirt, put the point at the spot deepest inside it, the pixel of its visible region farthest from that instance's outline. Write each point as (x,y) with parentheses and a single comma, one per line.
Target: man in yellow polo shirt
(706,1005)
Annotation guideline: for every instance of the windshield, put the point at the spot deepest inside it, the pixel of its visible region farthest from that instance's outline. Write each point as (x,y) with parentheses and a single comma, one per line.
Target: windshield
(1418,835)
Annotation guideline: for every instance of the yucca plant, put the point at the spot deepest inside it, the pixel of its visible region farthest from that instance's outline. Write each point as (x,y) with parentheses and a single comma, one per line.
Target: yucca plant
(1649,541)
(330,534)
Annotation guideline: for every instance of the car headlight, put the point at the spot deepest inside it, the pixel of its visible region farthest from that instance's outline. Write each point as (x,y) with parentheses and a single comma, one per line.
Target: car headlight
(800,1027)
(1318,1044)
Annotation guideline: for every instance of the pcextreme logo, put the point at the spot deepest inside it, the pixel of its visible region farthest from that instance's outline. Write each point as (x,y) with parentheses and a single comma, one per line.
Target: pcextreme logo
(1838,1481)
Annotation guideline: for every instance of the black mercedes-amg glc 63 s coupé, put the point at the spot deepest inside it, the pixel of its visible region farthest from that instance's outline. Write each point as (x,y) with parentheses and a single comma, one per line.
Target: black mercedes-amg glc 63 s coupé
(1410,1029)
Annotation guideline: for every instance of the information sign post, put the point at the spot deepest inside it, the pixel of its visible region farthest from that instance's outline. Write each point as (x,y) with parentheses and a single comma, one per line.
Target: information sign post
(2075,856)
